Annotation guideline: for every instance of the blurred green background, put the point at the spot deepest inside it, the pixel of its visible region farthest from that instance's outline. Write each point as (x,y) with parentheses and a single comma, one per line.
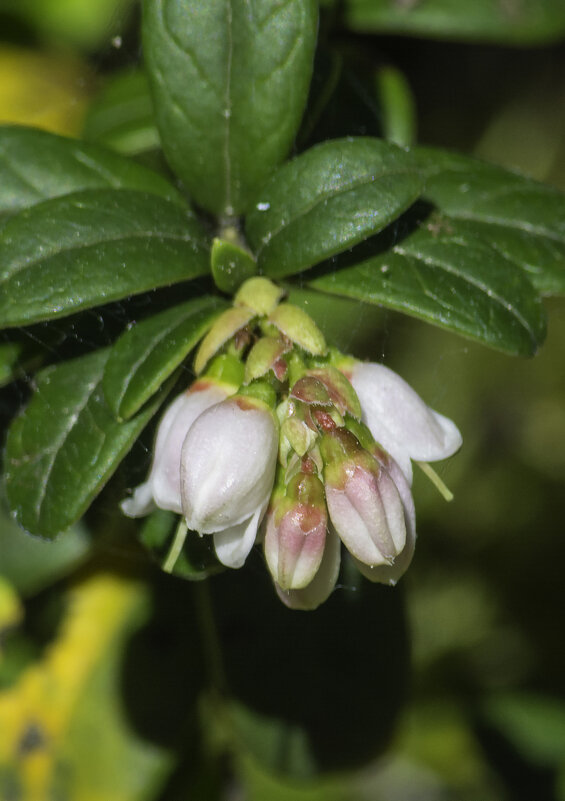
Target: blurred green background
(108,672)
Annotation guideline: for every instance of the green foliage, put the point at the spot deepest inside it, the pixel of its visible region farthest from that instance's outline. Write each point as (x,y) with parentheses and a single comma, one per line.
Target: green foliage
(92,247)
(65,446)
(522,219)
(355,646)
(76,23)
(147,353)
(483,20)
(450,240)
(445,275)
(31,564)
(228,113)
(122,117)
(36,165)
(354,225)
(328,199)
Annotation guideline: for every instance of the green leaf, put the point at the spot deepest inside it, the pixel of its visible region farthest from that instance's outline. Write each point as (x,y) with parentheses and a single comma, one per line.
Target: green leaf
(31,564)
(230,80)
(521,218)
(36,165)
(92,247)
(147,353)
(483,20)
(327,200)
(445,276)
(65,446)
(534,724)
(299,723)
(122,116)
(75,25)
(126,764)
(259,785)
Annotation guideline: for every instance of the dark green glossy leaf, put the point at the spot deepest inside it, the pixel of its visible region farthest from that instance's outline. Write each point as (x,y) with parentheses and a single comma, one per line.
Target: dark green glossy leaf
(147,353)
(521,218)
(92,247)
(327,200)
(122,117)
(442,274)
(231,265)
(36,165)
(65,446)
(300,723)
(484,20)
(230,80)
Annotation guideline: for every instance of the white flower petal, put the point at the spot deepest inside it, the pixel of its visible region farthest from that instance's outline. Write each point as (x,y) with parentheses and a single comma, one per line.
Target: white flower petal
(162,488)
(140,503)
(399,420)
(233,544)
(176,424)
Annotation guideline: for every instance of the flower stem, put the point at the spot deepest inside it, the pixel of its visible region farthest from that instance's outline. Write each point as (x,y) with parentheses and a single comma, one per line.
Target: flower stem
(436,480)
(176,547)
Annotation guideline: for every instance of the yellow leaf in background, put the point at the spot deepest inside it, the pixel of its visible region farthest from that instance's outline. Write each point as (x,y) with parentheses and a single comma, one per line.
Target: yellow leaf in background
(38,758)
(10,608)
(44,90)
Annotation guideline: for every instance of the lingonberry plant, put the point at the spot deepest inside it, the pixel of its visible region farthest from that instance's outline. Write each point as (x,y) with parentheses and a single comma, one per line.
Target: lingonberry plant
(274,440)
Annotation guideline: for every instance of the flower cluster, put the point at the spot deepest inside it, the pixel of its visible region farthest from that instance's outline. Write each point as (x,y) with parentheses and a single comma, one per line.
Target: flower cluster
(285,442)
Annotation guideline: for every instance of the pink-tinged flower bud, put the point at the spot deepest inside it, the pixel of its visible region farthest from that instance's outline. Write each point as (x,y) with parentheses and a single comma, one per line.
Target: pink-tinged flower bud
(398,418)
(323,583)
(364,504)
(228,465)
(296,532)
(390,574)
(162,488)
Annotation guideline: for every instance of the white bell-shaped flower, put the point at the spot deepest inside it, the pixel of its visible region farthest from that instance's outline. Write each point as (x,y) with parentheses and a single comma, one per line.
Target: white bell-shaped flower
(162,488)
(399,420)
(228,465)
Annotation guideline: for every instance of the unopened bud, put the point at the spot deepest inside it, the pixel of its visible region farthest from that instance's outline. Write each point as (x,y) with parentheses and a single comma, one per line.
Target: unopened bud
(363,500)
(296,532)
